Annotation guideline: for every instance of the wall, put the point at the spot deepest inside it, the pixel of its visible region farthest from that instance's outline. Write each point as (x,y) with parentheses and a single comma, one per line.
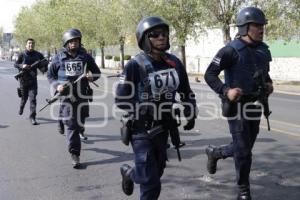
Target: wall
(284,67)
(199,53)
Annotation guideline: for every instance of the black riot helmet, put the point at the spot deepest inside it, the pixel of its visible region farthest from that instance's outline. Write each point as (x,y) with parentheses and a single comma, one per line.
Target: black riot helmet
(144,27)
(71,34)
(249,15)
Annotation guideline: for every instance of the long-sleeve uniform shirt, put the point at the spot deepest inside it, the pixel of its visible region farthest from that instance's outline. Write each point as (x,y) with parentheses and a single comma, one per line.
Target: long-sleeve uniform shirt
(30,75)
(226,58)
(65,68)
(164,78)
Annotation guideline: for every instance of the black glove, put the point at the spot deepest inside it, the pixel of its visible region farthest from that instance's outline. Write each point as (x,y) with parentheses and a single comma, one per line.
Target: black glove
(189,125)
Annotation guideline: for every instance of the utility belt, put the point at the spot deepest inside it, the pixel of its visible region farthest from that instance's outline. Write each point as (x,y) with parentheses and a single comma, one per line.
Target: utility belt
(230,109)
(86,94)
(26,81)
(130,126)
(169,125)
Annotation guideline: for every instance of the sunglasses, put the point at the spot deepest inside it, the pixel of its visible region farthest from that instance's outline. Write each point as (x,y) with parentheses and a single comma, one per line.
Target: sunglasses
(154,34)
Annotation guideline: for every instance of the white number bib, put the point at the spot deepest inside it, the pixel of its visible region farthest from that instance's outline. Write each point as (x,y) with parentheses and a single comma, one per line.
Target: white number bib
(73,68)
(164,81)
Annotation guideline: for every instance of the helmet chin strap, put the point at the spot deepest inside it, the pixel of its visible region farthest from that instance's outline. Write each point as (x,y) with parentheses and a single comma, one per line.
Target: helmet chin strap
(253,42)
(73,51)
(161,50)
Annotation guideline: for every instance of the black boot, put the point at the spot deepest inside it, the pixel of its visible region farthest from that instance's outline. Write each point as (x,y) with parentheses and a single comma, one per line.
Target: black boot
(213,155)
(244,193)
(61,127)
(75,161)
(127,183)
(82,136)
(33,121)
(21,110)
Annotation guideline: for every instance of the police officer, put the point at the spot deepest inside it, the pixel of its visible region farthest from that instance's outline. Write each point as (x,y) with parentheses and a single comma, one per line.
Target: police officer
(240,59)
(68,65)
(28,81)
(150,80)
(60,125)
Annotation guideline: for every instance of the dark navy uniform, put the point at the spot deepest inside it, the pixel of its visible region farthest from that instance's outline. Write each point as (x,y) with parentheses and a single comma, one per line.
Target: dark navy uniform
(165,78)
(245,62)
(74,108)
(28,82)
(240,61)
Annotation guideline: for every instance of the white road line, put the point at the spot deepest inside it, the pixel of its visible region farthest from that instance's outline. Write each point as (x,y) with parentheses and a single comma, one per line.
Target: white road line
(279,131)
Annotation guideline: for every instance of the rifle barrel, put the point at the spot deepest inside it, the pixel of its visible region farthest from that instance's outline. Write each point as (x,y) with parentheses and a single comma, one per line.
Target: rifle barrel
(43,107)
(268,124)
(178,154)
(95,84)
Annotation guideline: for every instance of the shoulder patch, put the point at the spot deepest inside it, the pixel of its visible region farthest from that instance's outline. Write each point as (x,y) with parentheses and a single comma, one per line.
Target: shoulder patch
(216,60)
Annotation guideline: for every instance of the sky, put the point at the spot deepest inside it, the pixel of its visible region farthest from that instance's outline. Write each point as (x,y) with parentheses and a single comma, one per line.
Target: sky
(9,10)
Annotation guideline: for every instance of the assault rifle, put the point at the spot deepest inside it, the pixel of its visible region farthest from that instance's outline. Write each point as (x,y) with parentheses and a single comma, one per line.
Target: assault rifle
(57,95)
(262,94)
(174,132)
(23,71)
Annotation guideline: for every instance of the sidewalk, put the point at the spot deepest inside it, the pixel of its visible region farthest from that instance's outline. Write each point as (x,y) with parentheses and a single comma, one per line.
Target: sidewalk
(291,88)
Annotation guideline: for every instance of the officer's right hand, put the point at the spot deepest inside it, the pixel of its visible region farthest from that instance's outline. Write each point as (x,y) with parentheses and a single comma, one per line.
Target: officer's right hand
(234,94)
(25,66)
(60,88)
(189,125)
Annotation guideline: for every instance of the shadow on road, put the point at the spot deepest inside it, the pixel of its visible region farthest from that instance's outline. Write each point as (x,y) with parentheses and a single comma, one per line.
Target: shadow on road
(43,120)
(275,174)
(4,126)
(105,138)
(119,156)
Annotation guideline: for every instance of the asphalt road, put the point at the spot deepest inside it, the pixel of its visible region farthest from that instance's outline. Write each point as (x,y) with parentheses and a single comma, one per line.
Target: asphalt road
(35,164)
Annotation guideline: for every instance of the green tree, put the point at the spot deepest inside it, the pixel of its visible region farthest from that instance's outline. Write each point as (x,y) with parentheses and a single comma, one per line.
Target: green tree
(96,29)
(222,14)
(184,16)
(283,18)
(118,25)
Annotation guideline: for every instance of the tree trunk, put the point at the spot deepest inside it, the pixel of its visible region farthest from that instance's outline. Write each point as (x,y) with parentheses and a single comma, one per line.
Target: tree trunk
(226,34)
(48,53)
(102,45)
(102,57)
(122,41)
(183,56)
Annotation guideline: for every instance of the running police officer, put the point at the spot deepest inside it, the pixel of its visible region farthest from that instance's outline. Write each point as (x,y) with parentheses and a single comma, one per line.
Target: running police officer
(148,85)
(240,59)
(70,63)
(60,125)
(28,79)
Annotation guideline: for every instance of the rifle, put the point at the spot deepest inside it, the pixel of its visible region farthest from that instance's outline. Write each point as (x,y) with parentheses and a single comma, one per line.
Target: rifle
(22,72)
(174,132)
(262,94)
(85,73)
(59,94)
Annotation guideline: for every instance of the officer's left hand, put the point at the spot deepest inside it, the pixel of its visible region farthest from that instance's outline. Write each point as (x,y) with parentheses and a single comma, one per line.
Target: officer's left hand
(189,125)
(25,66)
(89,77)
